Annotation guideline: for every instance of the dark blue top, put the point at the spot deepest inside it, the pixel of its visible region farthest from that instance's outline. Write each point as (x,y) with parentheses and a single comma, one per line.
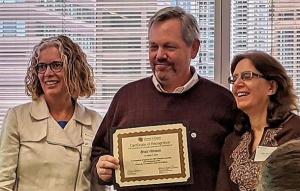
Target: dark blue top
(62,123)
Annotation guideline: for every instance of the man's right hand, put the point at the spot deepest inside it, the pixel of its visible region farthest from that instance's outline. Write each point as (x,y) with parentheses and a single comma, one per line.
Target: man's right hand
(105,166)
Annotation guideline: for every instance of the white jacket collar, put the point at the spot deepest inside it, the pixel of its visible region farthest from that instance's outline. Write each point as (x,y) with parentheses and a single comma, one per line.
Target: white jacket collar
(39,110)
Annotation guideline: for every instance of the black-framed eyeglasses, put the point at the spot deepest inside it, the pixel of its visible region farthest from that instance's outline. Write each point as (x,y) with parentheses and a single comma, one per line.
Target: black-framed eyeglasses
(55,66)
(245,76)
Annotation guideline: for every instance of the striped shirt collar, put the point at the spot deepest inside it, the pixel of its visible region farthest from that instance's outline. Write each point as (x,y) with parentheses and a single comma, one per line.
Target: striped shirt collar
(181,89)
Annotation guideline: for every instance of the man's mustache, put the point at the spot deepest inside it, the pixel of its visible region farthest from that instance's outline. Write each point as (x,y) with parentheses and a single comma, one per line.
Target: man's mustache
(163,62)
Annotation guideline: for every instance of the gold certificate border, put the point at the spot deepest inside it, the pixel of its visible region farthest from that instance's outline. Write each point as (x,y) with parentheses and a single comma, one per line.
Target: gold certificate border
(184,177)
(156,132)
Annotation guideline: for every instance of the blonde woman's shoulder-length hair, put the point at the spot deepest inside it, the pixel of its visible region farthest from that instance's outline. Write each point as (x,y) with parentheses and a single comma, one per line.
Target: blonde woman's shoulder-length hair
(79,77)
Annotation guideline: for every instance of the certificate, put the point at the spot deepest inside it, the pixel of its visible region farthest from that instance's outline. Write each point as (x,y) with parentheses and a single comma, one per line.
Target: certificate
(151,156)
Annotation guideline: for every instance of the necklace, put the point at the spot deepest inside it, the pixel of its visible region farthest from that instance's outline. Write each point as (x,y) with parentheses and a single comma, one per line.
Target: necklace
(63,116)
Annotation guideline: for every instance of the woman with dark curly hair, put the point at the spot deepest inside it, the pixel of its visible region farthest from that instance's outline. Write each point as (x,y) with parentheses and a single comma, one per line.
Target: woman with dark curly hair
(265,100)
(46,144)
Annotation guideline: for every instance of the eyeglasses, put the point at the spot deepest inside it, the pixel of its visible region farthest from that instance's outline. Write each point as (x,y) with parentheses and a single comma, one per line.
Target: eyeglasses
(55,66)
(245,76)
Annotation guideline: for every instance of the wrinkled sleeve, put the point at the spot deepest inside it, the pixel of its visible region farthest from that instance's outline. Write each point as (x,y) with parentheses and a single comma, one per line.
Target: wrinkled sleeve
(101,145)
(223,181)
(289,131)
(9,151)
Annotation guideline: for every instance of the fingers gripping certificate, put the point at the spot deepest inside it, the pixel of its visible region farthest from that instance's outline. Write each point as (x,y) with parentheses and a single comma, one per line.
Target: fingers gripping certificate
(152,155)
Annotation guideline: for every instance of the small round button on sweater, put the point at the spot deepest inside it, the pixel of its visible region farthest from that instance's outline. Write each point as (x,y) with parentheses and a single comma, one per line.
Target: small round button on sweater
(193,135)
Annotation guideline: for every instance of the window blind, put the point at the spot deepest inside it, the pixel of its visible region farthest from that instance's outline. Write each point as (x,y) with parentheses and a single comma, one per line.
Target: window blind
(113,34)
(269,25)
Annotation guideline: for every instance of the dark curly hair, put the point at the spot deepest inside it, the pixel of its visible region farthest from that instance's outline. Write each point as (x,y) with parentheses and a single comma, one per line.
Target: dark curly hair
(282,102)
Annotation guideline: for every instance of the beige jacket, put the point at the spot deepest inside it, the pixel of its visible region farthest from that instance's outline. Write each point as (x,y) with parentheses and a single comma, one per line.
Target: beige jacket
(37,154)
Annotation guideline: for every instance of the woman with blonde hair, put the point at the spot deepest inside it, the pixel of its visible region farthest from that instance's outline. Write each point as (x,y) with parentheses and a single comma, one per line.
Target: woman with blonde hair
(46,144)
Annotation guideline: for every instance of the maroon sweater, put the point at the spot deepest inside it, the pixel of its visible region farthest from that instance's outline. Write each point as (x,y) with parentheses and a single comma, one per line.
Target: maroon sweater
(206,109)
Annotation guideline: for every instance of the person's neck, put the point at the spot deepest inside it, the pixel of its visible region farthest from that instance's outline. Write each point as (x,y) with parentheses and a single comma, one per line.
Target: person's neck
(61,109)
(258,120)
(170,87)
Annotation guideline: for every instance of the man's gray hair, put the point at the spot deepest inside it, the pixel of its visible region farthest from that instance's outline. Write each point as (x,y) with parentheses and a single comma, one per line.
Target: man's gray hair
(190,28)
(281,171)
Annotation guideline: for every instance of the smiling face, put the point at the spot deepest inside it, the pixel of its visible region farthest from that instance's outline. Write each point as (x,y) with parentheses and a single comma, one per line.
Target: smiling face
(252,96)
(52,83)
(169,55)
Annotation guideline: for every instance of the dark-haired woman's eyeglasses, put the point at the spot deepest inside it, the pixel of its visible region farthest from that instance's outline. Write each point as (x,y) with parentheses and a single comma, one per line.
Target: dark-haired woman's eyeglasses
(55,66)
(245,76)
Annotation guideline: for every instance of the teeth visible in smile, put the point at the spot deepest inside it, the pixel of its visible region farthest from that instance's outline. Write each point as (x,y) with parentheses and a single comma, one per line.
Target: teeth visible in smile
(51,82)
(240,94)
